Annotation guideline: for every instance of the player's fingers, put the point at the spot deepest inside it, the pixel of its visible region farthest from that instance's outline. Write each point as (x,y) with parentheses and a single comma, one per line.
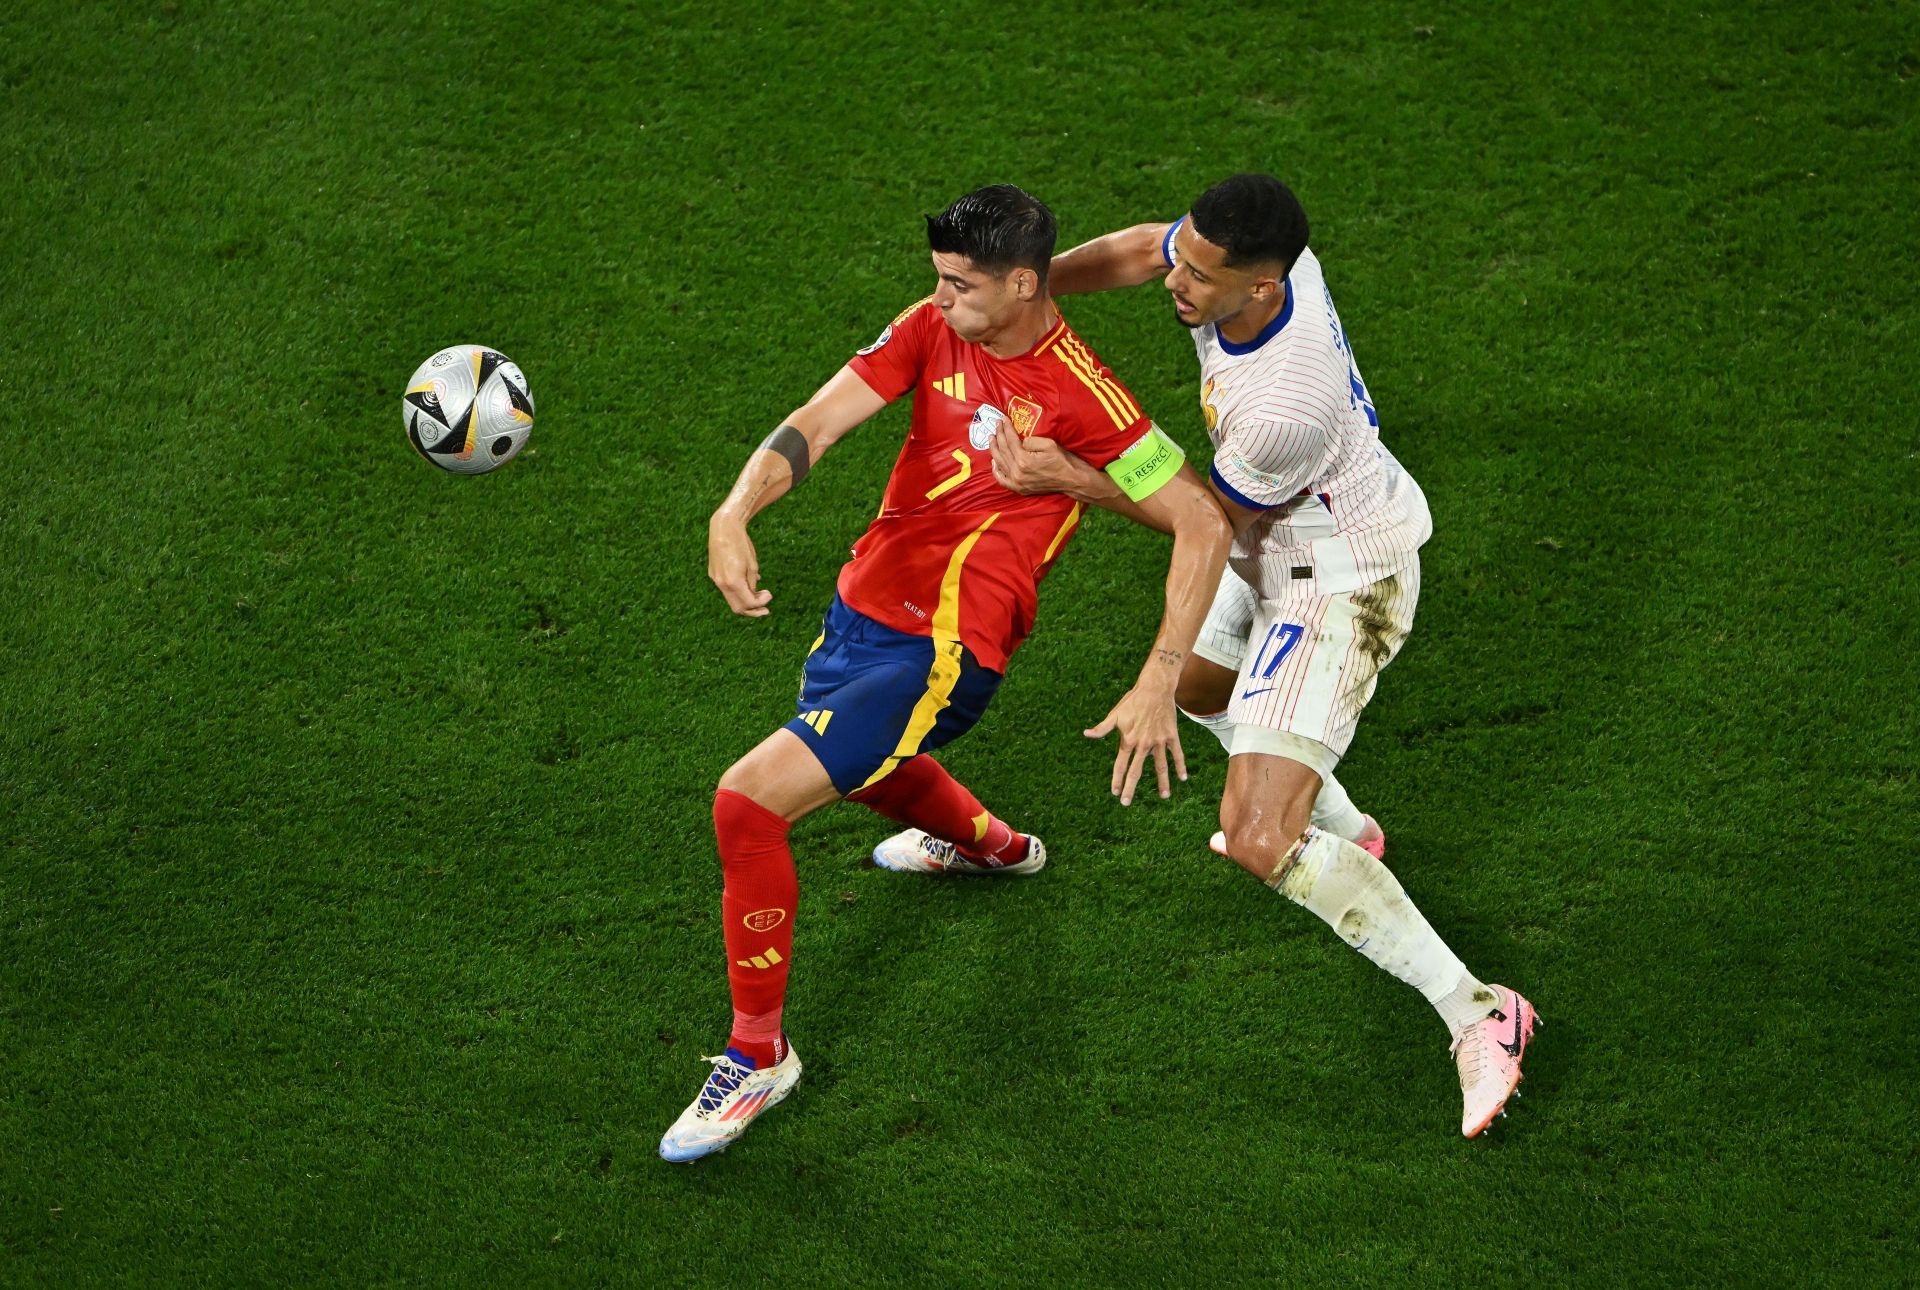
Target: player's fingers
(1119,776)
(1005,448)
(1179,758)
(1160,770)
(742,599)
(1135,766)
(1102,730)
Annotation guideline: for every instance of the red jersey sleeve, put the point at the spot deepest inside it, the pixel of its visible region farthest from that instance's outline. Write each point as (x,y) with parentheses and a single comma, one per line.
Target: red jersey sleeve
(892,364)
(1103,419)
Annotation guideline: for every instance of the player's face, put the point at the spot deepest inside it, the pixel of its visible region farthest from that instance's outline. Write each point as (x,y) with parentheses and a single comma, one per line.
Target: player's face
(1204,289)
(978,306)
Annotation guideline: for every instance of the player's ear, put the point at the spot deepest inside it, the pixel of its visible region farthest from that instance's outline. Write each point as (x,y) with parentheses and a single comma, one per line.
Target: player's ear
(1263,287)
(1026,284)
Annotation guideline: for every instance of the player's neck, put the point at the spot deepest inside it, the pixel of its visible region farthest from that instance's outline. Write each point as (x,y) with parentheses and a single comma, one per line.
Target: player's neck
(1024,332)
(1245,327)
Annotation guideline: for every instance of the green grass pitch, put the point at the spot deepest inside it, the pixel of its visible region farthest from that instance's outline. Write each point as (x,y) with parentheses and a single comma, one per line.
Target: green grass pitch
(358,906)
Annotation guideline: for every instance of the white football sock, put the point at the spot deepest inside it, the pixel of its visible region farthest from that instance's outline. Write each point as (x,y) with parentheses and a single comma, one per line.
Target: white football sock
(1335,812)
(1360,899)
(1219,723)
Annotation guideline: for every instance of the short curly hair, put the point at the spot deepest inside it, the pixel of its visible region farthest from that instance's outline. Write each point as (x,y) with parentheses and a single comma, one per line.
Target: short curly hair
(1256,219)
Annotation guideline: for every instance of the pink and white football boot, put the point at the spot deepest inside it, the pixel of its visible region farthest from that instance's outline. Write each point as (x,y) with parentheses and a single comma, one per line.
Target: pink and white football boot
(1488,1054)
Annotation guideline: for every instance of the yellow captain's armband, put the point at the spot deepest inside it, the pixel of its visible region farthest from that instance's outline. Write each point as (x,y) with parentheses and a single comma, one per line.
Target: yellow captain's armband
(1151,462)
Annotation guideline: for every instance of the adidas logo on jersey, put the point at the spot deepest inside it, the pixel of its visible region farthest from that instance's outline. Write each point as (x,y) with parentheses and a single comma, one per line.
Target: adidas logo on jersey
(954,387)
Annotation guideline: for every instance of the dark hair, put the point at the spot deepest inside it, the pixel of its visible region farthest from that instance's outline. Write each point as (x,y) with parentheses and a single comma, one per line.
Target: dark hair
(999,228)
(1254,218)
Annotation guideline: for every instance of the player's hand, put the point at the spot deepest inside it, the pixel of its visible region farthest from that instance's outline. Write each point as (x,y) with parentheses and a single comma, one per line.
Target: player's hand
(1148,728)
(1029,466)
(734,566)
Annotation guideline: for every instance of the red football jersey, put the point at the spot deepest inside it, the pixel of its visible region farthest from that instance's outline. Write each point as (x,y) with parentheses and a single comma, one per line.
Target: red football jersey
(952,554)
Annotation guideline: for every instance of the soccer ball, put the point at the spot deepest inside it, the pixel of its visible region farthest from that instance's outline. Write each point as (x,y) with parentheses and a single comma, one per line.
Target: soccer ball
(468,409)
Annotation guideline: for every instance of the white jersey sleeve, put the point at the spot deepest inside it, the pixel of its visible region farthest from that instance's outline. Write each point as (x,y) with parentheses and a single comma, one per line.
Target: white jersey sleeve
(1262,464)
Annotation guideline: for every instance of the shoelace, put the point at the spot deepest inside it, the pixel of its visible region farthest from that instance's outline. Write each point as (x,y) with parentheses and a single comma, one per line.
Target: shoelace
(1473,1062)
(942,850)
(727,1076)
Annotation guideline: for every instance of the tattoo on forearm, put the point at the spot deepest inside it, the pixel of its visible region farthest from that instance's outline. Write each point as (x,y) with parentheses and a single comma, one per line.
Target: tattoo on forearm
(1171,657)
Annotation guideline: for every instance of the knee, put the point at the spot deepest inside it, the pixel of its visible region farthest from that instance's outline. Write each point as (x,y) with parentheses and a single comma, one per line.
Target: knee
(1258,850)
(744,827)
(738,778)
(740,800)
(1260,843)
(754,776)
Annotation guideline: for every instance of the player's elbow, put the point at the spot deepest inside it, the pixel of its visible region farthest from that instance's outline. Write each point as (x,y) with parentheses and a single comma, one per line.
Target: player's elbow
(1141,253)
(816,425)
(1201,521)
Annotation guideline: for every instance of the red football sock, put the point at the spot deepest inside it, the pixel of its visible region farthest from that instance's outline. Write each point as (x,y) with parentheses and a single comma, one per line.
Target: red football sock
(757,907)
(920,794)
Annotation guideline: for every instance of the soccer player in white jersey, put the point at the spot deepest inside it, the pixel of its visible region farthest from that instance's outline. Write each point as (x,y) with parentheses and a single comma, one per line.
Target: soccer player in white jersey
(1320,590)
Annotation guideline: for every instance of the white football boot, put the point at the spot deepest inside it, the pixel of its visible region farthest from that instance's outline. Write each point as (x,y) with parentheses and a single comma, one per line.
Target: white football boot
(916,851)
(732,1098)
(1488,1054)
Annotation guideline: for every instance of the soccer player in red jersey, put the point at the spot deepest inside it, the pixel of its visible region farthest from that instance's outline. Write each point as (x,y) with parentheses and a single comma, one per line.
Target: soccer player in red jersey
(941,589)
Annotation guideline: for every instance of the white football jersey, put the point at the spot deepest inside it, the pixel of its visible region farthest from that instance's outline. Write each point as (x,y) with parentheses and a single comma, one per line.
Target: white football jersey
(1295,434)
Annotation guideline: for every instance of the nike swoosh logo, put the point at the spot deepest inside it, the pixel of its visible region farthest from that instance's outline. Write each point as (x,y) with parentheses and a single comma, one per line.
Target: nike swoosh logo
(1513,1049)
(1248,694)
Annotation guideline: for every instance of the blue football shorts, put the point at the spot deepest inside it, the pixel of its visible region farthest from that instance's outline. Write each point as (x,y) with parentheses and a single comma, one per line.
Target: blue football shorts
(871,697)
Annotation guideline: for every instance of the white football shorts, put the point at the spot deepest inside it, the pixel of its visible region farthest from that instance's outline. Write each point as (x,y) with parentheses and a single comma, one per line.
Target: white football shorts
(1307,663)
(1223,636)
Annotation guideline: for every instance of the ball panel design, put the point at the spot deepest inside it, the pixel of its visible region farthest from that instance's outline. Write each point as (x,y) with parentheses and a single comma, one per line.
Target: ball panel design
(468,409)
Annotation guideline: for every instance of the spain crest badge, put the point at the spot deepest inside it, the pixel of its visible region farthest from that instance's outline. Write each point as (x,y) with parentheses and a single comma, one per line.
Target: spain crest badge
(1025,414)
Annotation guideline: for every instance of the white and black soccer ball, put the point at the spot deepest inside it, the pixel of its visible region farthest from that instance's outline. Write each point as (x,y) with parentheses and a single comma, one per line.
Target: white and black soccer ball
(468,409)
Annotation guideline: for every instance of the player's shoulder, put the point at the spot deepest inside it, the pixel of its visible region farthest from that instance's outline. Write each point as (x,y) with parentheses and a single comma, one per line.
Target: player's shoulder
(919,307)
(913,327)
(1069,355)
(1308,266)
(1085,381)
(916,319)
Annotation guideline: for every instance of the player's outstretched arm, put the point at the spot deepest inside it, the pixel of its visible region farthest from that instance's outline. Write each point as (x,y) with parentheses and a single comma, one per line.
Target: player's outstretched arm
(770,473)
(1125,258)
(1145,716)
(1202,533)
